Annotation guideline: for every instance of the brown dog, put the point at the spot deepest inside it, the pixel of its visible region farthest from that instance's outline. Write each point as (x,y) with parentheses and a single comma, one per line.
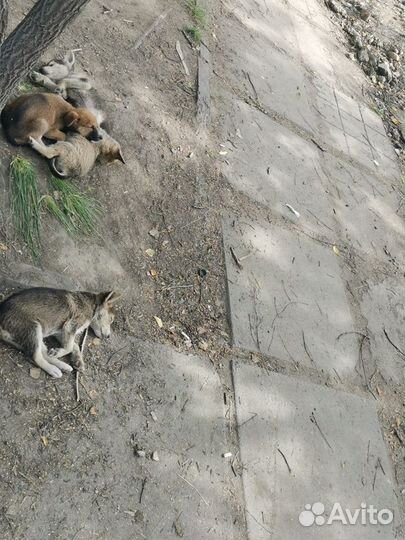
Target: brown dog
(46,115)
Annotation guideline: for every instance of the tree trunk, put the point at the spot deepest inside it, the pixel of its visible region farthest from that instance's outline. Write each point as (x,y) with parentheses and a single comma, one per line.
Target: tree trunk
(23,47)
(3,18)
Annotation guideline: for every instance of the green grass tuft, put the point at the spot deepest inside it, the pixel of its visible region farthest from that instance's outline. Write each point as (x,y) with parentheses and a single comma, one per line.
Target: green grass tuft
(78,213)
(26,87)
(198,13)
(25,203)
(194,34)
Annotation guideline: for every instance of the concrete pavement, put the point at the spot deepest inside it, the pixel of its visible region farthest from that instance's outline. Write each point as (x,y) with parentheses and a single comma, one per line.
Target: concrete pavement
(314,271)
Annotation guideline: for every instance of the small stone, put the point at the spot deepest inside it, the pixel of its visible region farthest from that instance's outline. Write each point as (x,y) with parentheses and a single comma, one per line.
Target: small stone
(153,415)
(140,453)
(150,252)
(384,69)
(362,56)
(96,342)
(154,233)
(227,455)
(155,456)
(393,56)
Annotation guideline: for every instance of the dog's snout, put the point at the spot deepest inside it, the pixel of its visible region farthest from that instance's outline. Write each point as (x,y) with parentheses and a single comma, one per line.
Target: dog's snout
(96,135)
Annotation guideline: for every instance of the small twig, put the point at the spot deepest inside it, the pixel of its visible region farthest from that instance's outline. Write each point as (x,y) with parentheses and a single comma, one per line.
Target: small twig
(177,287)
(247,75)
(77,386)
(152,27)
(314,421)
(285,459)
(377,465)
(181,56)
(142,489)
(84,338)
(318,145)
(258,522)
(196,490)
(82,345)
(400,437)
(248,420)
(306,348)
(235,258)
(392,343)
(347,333)
(188,39)
(116,352)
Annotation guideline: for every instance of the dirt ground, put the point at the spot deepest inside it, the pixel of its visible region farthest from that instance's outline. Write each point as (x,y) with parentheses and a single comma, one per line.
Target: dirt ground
(170,184)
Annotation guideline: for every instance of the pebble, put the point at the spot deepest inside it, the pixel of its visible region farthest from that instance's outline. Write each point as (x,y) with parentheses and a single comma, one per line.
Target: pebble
(155,456)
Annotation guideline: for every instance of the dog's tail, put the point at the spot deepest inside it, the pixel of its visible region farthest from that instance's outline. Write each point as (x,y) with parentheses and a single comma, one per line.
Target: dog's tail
(56,172)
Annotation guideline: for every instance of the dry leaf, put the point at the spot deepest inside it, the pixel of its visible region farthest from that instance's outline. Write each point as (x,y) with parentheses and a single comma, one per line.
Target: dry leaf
(397,421)
(93,394)
(158,321)
(336,250)
(395,121)
(203,345)
(93,411)
(3,247)
(150,252)
(153,272)
(35,373)
(44,440)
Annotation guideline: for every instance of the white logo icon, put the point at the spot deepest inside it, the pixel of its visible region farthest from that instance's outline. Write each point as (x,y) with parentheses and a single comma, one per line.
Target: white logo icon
(312,514)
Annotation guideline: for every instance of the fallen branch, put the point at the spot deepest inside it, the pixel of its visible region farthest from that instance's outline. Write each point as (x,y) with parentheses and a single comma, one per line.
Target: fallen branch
(181,56)
(196,490)
(151,28)
(392,343)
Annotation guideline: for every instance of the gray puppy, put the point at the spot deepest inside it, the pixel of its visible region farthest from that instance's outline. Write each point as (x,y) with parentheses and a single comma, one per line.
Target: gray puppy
(29,316)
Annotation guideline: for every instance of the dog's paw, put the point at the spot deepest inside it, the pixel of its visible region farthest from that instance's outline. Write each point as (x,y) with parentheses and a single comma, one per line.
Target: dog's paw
(54,372)
(36,77)
(31,140)
(65,367)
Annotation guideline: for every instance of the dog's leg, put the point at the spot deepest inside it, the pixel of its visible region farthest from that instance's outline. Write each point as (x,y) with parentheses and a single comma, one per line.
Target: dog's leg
(77,83)
(77,357)
(43,80)
(38,345)
(69,346)
(55,135)
(55,362)
(47,151)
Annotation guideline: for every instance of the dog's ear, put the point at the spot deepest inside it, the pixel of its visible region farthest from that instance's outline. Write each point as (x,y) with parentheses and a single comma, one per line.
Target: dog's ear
(108,298)
(71,118)
(119,156)
(69,59)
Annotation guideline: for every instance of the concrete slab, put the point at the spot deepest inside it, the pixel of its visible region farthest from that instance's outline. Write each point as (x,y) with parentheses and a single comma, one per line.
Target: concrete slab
(368,209)
(89,482)
(288,300)
(355,130)
(303,444)
(274,166)
(382,305)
